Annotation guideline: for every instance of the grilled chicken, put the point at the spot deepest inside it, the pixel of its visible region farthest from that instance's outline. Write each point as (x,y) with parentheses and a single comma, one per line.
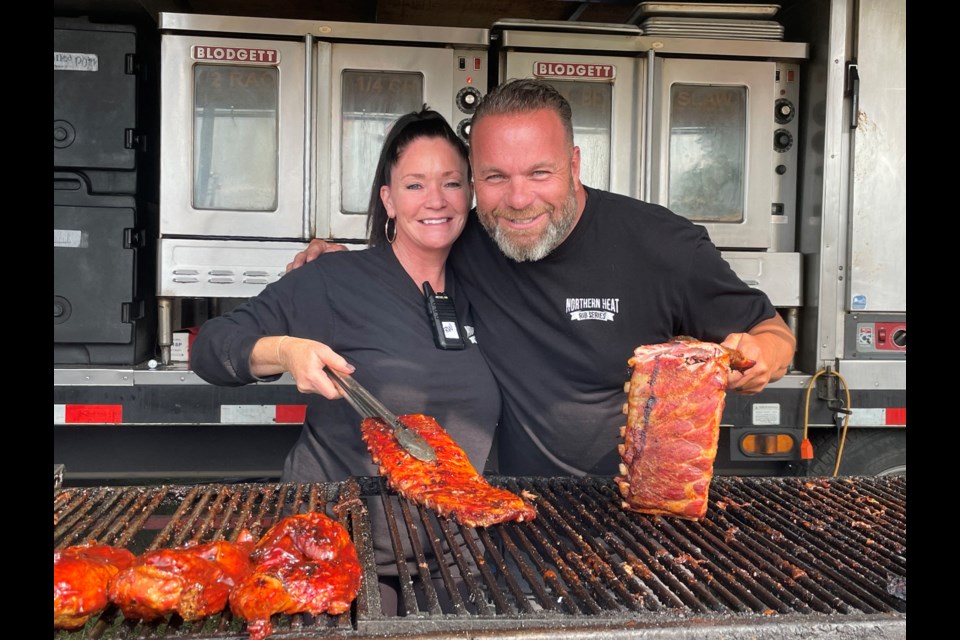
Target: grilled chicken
(80,577)
(676,396)
(193,581)
(450,485)
(304,563)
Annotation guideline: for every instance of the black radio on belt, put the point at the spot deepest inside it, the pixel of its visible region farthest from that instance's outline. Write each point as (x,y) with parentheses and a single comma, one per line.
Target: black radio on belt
(443,319)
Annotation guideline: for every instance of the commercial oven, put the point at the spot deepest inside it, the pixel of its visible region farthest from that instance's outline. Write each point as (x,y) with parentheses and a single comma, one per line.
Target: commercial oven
(704,127)
(270,134)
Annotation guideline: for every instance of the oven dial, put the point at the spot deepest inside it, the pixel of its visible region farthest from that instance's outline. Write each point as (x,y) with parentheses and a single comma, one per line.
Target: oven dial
(783,111)
(463,129)
(782,140)
(467,99)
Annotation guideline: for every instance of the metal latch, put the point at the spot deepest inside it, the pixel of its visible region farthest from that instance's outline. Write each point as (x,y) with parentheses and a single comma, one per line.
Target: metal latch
(853,88)
(828,389)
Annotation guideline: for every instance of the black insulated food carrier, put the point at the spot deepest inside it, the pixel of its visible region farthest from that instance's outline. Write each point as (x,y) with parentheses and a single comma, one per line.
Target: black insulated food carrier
(103,312)
(95,103)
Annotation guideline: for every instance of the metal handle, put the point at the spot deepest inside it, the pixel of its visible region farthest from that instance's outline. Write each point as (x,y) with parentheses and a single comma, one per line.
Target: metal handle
(367,405)
(853,85)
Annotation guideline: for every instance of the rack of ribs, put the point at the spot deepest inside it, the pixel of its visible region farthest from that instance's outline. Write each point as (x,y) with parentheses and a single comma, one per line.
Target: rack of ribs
(675,398)
(450,485)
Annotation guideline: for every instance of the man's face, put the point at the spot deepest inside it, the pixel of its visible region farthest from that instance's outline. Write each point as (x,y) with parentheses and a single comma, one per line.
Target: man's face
(527,181)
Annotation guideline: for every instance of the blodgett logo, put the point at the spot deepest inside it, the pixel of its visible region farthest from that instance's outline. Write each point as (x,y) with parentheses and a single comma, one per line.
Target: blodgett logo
(604,309)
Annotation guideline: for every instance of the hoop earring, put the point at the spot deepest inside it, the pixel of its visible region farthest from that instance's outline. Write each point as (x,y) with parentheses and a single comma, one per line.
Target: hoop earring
(386,230)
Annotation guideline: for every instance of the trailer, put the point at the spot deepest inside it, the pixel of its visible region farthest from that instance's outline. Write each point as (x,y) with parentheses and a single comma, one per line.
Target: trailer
(141,262)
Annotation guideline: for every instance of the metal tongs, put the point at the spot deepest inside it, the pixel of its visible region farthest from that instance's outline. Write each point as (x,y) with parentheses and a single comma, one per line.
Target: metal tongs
(367,405)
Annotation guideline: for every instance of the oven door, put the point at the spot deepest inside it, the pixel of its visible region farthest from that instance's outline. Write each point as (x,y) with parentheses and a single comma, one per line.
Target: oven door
(713,158)
(232,138)
(602,92)
(369,87)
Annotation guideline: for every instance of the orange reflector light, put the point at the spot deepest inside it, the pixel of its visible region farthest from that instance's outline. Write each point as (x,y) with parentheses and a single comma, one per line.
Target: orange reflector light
(806,450)
(767,444)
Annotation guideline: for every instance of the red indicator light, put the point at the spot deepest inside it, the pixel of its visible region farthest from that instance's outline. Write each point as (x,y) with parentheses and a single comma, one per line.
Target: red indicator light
(476,63)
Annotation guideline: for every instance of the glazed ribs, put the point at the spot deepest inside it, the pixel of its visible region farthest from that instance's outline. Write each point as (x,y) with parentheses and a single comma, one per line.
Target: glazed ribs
(676,396)
(450,485)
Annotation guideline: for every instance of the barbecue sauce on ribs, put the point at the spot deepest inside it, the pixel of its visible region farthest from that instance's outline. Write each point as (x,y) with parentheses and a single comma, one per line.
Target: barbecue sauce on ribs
(81,574)
(304,563)
(450,485)
(676,396)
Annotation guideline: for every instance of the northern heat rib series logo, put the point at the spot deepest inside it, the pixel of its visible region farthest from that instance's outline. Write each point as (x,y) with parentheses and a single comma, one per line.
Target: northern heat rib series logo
(604,309)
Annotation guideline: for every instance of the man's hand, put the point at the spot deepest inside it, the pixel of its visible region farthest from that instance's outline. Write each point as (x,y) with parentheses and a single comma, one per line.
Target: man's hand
(771,345)
(314,249)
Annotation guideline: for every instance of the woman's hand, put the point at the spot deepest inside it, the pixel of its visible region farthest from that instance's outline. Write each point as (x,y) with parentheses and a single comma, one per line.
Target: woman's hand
(304,359)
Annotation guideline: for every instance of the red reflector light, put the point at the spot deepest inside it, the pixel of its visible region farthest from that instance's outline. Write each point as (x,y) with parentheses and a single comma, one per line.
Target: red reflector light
(896,416)
(93,414)
(291,413)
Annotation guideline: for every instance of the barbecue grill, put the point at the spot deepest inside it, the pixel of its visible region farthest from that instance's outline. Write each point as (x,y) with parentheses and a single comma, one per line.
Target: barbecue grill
(774,558)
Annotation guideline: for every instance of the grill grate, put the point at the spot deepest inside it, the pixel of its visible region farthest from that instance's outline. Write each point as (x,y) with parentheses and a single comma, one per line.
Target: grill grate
(789,551)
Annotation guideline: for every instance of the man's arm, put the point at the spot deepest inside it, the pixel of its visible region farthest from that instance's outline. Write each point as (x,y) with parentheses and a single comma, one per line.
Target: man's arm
(772,345)
(314,249)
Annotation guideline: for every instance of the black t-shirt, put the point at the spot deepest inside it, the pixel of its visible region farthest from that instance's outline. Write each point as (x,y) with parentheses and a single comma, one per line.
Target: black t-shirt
(557,333)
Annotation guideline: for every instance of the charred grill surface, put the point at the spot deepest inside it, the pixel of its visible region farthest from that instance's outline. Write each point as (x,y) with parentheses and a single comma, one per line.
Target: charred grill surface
(804,554)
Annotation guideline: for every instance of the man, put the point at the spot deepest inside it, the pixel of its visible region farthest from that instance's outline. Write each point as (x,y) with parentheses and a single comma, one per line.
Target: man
(566,280)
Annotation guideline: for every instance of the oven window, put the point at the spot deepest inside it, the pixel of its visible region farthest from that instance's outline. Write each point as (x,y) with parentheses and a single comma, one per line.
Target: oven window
(592,113)
(235,138)
(708,127)
(372,101)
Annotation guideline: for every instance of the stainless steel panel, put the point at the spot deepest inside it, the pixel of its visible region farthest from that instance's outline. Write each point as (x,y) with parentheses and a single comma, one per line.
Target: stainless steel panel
(324,29)
(96,376)
(753,229)
(874,374)
(776,274)
(179,214)
(176,374)
(718,9)
(878,236)
(208,268)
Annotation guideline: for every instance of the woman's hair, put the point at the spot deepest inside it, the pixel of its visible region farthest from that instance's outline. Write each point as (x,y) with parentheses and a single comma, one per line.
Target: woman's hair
(419,124)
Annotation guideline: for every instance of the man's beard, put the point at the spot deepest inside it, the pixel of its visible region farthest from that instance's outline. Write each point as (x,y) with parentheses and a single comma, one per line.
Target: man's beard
(521,246)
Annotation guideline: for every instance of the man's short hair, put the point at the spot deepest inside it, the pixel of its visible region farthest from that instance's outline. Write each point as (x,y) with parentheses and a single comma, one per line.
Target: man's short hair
(521,95)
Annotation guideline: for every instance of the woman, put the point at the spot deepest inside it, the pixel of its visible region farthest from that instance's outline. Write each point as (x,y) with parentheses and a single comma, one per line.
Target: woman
(363,312)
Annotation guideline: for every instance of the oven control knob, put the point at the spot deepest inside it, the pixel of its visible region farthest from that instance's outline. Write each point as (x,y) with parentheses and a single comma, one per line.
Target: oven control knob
(467,99)
(900,338)
(782,140)
(783,111)
(463,129)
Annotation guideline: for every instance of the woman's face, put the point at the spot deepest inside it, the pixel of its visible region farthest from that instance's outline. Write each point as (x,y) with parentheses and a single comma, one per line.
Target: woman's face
(428,195)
